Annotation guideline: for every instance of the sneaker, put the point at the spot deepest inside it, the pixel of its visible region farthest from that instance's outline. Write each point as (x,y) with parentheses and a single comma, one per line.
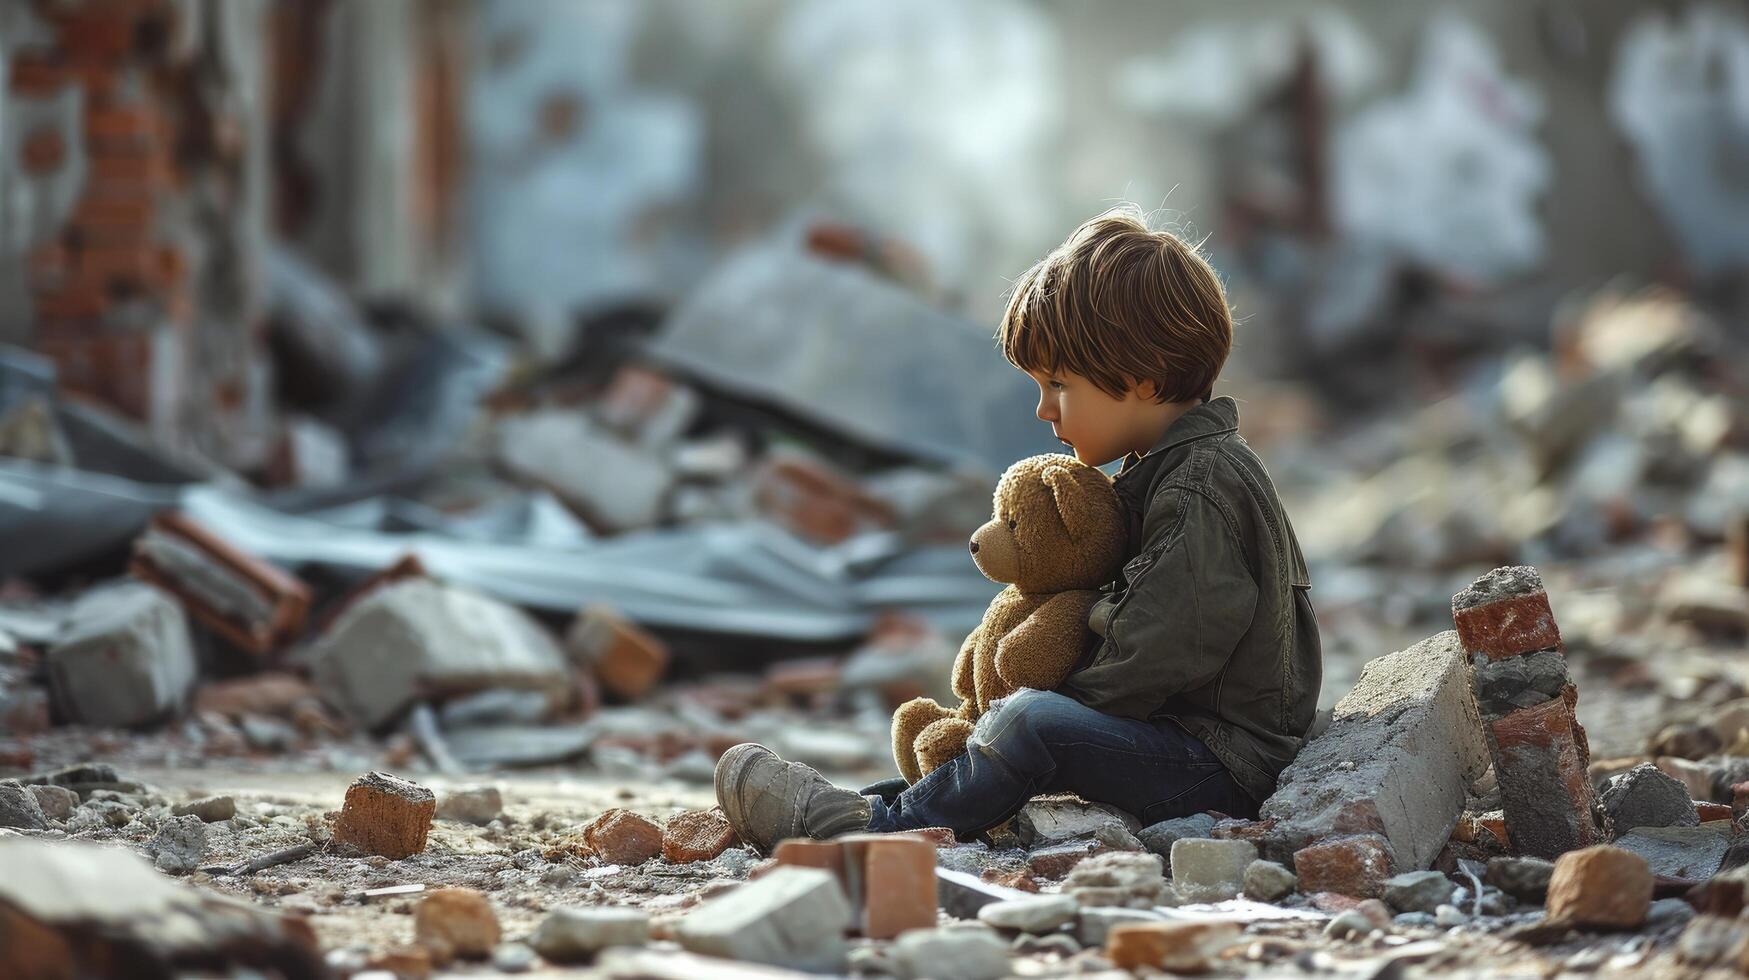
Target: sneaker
(767,799)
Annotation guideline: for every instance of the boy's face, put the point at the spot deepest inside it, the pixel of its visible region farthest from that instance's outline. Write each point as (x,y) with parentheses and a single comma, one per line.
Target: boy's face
(1098,427)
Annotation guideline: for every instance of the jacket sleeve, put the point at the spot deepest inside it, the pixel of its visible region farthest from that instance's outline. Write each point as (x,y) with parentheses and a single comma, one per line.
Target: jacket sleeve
(1188,598)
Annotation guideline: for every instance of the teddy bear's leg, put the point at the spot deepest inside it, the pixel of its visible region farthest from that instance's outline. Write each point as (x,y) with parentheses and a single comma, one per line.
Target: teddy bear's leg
(908,722)
(940,742)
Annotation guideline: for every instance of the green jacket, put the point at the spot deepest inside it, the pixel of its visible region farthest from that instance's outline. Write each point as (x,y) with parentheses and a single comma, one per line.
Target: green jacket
(1210,623)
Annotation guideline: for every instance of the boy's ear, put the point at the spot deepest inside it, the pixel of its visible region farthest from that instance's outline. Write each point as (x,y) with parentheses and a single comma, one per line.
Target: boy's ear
(1071,501)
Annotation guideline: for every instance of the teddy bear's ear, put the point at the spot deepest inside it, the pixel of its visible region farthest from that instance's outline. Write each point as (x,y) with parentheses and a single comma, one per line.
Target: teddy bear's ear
(1072,500)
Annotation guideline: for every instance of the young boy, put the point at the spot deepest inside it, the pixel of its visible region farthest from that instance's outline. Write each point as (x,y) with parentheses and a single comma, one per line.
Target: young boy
(1202,666)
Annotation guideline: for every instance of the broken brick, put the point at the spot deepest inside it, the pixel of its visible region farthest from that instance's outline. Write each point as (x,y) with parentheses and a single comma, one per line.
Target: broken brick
(626,659)
(696,835)
(459,919)
(1505,613)
(1600,887)
(255,605)
(620,836)
(1356,865)
(386,815)
(1544,786)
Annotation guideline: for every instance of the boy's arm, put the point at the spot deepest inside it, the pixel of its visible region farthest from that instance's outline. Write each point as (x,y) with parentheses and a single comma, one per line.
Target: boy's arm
(1190,596)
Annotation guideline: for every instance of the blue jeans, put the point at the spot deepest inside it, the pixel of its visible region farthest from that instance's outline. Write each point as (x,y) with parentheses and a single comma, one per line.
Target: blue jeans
(1035,742)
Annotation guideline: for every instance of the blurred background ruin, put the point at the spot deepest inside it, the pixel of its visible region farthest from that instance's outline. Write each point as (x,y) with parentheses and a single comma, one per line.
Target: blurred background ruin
(521,381)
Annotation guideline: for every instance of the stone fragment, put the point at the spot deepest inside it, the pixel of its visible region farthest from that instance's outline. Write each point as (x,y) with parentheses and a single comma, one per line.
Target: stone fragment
(620,836)
(1092,925)
(57,802)
(792,917)
(385,815)
(1418,891)
(210,809)
(1160,837)
(696,835)
(969,952)
(1524,878)
(626,659)
(125,659)
(19,808)
(1398,758)
(416,638)
(1126,878)
(1176,947)
(1268,881)
(574,935)
(1600,887)
(179,845)
(1357,865)
(1210,870)
(1645,797)
(460,920)
(1686,853)
(478,805)
(1038,914)
(1049,820)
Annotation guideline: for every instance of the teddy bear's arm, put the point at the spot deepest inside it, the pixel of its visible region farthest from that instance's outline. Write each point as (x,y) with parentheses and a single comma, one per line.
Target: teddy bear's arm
(1043,648)
(962,676)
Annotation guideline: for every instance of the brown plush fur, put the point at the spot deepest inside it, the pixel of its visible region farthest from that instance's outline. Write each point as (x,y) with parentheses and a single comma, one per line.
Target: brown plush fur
(1057,535)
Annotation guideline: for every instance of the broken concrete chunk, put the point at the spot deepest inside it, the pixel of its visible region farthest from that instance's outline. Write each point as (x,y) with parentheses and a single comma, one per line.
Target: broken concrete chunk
(478,805)
(459,921)
(1177,947)
(1267,881)
(1355,866)
(1210,870)
(179,846)
(386,815)
(125,658)
(573,935)
(1121,878)
(1418,891)
(1600,887)
(416,638)
(251,603)
(1401,751)
(969,952)
(19,808)
(210,809)
(791,917)
(1645,797)
(620,836)
(1160,837)
(626,659)
(1036,915)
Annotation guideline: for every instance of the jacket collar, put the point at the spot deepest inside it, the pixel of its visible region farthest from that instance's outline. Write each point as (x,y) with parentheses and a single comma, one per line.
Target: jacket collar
(1214,417)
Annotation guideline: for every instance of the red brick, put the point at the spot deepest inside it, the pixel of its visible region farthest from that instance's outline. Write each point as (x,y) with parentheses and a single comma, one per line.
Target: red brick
(386,815)
(696,835)
(626,659)
(459,919)
(1176,947)
(1544,787)
(1600,887)
(623,837)
(1356,865)
(892,879)
(36,75)
(43,152)
(1508,627)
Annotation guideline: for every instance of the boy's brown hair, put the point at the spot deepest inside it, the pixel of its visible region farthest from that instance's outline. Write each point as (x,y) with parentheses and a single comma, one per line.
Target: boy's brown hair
(1118,304)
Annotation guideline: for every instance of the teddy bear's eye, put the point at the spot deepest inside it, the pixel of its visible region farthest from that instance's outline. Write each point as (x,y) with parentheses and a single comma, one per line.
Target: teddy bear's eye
(1012,524)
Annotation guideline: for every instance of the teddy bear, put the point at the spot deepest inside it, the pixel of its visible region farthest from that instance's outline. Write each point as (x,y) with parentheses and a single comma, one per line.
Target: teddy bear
(1058,534)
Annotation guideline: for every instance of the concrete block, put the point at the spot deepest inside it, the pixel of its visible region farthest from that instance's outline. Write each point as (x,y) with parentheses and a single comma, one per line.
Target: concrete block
(1355,866)
(386,815)
(126,658)
(1398,758)
(792,917)
(1210,870)
(1645,797)
(416,638)
(1600,887)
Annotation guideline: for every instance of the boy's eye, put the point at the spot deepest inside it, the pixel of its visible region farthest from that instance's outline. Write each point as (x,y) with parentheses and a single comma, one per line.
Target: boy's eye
(1012,524)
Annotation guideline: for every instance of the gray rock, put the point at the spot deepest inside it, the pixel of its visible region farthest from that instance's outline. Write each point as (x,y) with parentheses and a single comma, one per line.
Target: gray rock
(58,802)
(964,953)
(125,659)
(209,809)
(1092,924)
(1645,796)
(1267,881)
(1039,914)
(570,935)
(1210,870)
(478,805)
(1160,837)
(1418,891)
(791,917)
(1130,878)
(179,845)
(1524,878)
(19,808)
(513,958)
